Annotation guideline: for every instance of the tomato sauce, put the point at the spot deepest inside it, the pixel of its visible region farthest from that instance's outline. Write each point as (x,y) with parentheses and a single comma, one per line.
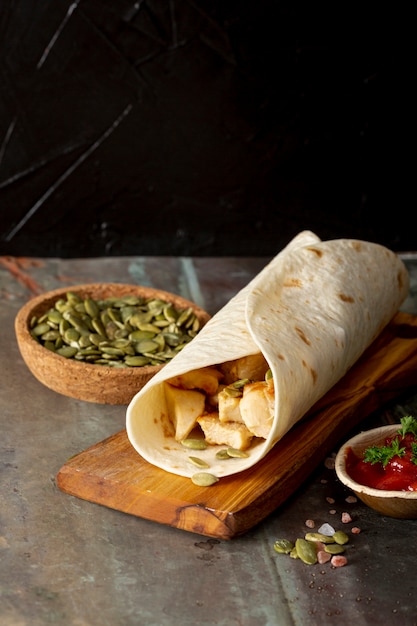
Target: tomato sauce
(398,474)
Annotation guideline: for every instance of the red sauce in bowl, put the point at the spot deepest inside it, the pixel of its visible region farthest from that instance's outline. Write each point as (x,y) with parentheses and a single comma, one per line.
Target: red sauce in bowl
(398,473)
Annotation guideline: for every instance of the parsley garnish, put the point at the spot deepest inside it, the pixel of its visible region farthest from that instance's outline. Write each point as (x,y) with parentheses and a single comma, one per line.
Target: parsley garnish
(408,425)
(383,454)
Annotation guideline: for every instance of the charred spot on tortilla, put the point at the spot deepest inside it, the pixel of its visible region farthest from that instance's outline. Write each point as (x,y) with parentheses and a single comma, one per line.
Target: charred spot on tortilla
(319,253)
(312,371)
(302,336)
(166,425)
(346,298)
(293,282)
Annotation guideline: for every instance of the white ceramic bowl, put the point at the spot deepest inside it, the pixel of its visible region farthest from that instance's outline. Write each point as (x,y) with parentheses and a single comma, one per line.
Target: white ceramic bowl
(399,504)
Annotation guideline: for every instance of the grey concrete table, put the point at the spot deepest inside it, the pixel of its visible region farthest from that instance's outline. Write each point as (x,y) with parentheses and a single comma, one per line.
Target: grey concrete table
(69,562)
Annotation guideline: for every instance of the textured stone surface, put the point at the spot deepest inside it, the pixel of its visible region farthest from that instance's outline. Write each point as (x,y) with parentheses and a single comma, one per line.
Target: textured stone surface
(66,561)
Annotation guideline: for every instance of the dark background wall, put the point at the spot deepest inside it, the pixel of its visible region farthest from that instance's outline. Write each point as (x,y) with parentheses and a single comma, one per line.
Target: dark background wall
(200,127)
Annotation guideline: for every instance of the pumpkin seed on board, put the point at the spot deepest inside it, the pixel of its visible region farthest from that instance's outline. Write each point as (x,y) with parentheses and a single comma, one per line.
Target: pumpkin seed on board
(204,479)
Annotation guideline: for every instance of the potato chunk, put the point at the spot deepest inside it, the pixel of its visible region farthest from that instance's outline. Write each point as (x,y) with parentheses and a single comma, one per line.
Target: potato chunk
(253,367)
(206,379)
(257,407)
(225,433)
(184,407)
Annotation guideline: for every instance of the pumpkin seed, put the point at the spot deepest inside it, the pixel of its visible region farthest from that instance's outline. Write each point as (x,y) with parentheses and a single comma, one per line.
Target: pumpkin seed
(138,335)
(238,384)
(50,335)
(170,313)
(67,351)
(132,331)
(40,329)
(334,548)
(136,361)
(71,334)
(294,553)
(283,546)
(184,316)
(340,537)
(194,444)
(91,307)
(198,462)
(146,345)
(222,455)
(204,479)
(237,454)
(306,551)
(319,537)
(54,316)
(232,392)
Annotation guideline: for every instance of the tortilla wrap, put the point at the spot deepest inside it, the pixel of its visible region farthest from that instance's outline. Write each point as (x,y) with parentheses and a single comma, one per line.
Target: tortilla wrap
(311,312)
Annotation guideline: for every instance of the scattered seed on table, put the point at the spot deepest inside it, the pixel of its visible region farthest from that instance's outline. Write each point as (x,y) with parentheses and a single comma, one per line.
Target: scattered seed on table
(334,548)
(340,537)
(346,518)
(283,546)
(319,537)
(306,551)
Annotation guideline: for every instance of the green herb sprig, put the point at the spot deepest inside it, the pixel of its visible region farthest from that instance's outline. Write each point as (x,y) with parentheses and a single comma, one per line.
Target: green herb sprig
(408,425)
(384,454)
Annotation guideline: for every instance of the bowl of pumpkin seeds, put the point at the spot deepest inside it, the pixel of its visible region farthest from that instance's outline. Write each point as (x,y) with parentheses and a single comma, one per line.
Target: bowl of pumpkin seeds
(103,342)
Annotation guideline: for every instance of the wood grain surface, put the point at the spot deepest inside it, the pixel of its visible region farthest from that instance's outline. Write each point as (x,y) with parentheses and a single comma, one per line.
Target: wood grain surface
(111,473)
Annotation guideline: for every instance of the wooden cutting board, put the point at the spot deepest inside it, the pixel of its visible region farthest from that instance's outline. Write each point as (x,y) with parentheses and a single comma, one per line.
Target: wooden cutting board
(111,472)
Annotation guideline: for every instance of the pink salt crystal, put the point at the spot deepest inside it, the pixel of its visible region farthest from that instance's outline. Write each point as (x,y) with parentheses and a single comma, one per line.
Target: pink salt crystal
(346,518)
(338,560)
(355,530)
(351,499)
(323,557)
(310,523)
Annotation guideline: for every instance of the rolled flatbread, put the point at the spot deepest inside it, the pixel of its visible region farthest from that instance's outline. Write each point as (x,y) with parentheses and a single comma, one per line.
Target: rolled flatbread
(287,337)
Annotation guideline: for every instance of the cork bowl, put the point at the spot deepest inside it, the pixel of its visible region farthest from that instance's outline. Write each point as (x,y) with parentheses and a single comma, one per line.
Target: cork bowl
(398,504)
(79,379)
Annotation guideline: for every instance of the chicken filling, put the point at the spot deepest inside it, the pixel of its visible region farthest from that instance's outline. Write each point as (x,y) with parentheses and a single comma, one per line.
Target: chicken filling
(231,403)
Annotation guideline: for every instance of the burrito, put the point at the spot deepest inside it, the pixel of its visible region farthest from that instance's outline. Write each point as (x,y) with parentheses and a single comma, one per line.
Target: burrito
(264,359)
